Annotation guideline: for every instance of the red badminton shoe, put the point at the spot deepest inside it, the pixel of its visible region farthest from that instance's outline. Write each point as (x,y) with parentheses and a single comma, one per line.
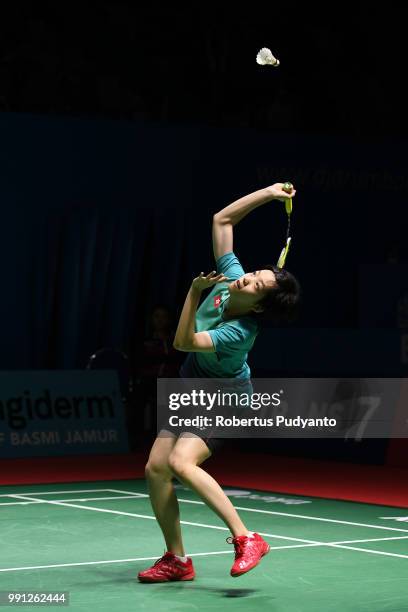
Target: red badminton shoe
(249,550)
(168,568)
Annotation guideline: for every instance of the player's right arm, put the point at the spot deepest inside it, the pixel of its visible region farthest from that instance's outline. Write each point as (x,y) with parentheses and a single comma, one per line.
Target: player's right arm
(225,219)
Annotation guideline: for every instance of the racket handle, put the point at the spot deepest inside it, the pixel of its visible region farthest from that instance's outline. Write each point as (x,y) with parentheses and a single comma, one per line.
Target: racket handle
(287,188)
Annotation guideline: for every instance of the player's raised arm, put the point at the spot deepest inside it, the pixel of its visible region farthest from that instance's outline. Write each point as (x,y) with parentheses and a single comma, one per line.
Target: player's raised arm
(225,219)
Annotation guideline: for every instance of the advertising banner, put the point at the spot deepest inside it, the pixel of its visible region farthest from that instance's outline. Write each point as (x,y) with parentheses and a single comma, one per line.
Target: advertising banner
(50,412)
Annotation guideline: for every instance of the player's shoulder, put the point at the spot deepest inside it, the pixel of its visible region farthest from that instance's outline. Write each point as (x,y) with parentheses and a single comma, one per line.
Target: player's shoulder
(246,324)
(249,323)
(230,265)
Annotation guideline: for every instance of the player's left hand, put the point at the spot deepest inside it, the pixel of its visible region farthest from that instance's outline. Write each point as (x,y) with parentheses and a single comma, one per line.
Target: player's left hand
(204,282)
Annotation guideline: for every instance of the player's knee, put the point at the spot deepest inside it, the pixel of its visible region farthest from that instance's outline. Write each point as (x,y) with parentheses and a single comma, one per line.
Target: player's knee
(179,464)
(157,468)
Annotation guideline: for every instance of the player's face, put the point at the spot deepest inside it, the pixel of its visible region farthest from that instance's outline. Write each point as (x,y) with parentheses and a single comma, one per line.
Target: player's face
(252,287)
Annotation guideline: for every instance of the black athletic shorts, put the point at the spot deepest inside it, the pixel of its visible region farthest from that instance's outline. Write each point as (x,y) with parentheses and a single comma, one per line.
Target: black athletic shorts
(214,444)
(206,434)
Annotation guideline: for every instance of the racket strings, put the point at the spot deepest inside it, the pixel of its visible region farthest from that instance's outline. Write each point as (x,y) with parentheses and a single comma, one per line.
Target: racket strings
(288,228)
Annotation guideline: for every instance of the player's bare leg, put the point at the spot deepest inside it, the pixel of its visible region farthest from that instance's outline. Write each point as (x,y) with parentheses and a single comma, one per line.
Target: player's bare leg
(162,495)
(188,453)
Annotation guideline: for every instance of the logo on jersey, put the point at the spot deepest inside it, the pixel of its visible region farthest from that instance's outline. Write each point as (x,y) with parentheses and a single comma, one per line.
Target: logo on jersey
(217,301)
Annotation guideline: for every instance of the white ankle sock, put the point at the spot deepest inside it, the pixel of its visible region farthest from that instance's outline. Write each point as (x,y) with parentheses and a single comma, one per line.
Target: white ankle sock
(183,559)
(250,534)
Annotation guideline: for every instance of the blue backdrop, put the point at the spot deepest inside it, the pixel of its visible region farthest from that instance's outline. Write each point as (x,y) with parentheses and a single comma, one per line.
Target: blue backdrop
(101,219)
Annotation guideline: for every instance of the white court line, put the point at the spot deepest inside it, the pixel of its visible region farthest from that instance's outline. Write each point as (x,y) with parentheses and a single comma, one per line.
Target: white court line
(153,518)
(338,544)
(302,516)
(372,540)
(221,552)
(368,550)
(271,535)
(63,492)
(78,499)
(326,520)
(189,501)
(31,567)
(131,494)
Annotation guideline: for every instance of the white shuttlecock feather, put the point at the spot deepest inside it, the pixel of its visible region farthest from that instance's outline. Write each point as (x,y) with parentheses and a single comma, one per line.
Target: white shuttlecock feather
(265,57)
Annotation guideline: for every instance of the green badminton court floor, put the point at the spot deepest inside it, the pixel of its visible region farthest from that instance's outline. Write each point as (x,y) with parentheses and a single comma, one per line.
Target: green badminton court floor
(91,539)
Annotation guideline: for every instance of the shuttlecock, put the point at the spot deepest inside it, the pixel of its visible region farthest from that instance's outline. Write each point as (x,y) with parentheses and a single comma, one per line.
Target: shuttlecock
(265,57)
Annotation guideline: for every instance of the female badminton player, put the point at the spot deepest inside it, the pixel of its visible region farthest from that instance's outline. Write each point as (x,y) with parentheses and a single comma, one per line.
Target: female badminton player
(217,338)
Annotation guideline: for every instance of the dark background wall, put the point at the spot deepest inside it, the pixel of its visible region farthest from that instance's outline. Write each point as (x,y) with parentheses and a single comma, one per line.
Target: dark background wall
(103,218)
(341,66)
